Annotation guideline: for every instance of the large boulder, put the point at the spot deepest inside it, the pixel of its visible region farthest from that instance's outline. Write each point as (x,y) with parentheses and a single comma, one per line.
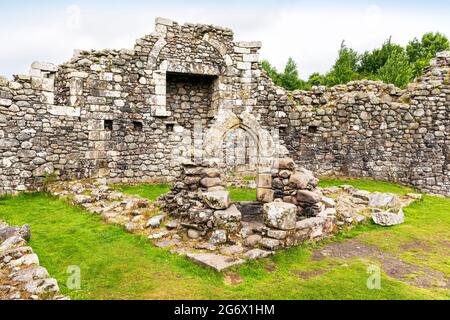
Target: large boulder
(229,219)
(218,200)
(280,215)
(382,200)
(388,218)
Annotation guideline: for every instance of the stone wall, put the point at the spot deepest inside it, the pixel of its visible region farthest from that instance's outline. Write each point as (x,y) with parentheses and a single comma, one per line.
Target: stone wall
(122,114)
(371,129)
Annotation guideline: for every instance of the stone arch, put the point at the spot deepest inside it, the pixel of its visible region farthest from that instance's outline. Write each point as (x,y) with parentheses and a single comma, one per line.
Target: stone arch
(154,53)
(220,47)
(226,121)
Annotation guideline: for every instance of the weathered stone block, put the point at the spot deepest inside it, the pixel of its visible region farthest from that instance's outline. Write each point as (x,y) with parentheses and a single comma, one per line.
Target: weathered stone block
(280,215)
(218,200)
(264,195)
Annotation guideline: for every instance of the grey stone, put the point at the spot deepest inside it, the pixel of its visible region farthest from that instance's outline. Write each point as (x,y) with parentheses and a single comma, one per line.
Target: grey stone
(382,200)
(155,221)
(12,242)
(23,232)
(218,200)
(218,237)
(215,261)
(280,215)
(388,218)
(271,244)
(257,254)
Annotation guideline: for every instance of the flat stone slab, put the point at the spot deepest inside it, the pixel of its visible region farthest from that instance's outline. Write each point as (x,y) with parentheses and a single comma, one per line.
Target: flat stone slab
(216,261)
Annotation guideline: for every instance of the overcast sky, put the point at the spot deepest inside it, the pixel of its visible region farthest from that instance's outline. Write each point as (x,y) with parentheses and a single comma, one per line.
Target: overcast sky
(309,31)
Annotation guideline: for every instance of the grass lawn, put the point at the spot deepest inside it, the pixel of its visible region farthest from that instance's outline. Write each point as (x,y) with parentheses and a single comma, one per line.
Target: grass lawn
(118,265)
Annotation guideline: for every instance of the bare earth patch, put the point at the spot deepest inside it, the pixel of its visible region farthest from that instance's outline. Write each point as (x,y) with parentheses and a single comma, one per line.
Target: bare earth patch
(416,244)
(232,279)
(392,265)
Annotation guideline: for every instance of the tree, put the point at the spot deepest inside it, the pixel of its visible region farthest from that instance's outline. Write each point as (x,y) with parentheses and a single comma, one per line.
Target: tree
(317,79)
(271,72)
(289,78)
(345,68)
(397,69)
(371,62)
(421,52)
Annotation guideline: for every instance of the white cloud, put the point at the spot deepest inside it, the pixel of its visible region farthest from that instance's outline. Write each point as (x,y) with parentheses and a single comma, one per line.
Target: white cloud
(310,34)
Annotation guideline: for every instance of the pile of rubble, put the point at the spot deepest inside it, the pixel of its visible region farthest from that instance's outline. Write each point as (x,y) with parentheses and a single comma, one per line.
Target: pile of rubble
(134,213)
(201,202)
(198,219)
(21,276)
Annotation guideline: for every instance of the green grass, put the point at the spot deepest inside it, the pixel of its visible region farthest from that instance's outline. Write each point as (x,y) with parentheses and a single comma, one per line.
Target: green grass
(242,194)
(153,191)
(117,265)
(149,191)
(366,184)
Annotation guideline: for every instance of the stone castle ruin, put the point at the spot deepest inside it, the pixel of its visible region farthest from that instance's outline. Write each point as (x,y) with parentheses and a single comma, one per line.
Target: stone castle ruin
(185,92)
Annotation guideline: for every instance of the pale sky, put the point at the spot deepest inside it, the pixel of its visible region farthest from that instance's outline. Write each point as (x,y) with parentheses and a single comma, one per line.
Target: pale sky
(309,31)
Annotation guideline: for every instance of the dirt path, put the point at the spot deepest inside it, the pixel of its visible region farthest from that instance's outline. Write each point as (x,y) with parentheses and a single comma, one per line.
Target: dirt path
(392,265)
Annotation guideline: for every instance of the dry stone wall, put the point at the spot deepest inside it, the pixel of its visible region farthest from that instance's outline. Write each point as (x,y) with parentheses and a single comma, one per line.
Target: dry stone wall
(121,115)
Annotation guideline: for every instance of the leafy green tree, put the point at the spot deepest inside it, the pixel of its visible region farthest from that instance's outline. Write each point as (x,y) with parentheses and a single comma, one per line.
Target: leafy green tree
(371,62)
(345,68)
(397,70)
(317,79)
(421,52)
(271,72)
(289,78)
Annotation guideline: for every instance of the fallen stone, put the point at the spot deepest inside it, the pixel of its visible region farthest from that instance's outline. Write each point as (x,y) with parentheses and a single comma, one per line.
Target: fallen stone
(173,224)
(271,244)
(280,215)
(252,240)
(257,254)
(218,200)
(388,218)
(166,243)
(216,261)
(155,221)
(81,199)
(158,235)
(193,234)
(232,250)
(328,202)
(232,214)
(218,237)
(362,194)
(415,196)
(382,200)
(205,246)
